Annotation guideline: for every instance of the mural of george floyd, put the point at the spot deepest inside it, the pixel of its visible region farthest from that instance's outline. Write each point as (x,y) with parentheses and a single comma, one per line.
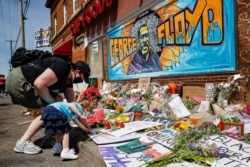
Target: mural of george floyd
(175,38)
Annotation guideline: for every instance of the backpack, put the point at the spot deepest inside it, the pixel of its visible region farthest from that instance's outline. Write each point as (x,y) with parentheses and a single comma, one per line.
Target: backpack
(23,56)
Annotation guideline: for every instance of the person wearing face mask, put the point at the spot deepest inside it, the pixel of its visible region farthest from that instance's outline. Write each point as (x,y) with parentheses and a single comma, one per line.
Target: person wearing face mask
(39,83)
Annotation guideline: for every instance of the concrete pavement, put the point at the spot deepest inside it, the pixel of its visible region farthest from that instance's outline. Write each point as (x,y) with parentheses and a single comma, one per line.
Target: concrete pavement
(11,131)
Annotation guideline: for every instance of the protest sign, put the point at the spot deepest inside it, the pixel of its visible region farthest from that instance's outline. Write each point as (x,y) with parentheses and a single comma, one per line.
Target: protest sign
(115,157)
(238,152)
(166,137)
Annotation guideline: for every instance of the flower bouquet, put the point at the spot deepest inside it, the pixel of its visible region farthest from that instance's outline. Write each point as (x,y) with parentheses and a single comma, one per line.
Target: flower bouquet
(224,91)
(92,94)
(110,104)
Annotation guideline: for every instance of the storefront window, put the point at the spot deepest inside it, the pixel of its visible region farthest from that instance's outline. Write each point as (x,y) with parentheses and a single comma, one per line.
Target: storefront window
(65,14)
(96,59)
(55,22)
(75,5)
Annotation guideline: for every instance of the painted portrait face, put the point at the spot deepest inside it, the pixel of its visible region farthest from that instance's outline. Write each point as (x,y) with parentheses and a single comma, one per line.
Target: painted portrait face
(144,39)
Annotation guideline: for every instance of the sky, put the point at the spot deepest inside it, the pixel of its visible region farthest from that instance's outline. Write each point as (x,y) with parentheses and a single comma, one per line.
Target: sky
(38,16)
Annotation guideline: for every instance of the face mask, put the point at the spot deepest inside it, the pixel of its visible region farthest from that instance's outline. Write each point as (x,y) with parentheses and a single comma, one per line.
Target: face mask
(78,80)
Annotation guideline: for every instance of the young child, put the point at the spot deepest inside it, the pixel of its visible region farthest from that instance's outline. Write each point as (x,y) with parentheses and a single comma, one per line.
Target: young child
(56,119)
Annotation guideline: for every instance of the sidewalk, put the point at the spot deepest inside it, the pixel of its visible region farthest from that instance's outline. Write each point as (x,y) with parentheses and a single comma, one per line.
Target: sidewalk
(11,130)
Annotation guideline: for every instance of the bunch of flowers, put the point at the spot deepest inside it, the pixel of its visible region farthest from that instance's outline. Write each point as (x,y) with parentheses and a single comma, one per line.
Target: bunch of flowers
(91,94)
(110,104)
(190,103)
(223,91)
(192,145)
(203,148)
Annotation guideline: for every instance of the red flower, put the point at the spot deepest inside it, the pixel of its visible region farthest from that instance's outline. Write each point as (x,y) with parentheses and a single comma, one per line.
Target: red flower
(222,126)
(90,94)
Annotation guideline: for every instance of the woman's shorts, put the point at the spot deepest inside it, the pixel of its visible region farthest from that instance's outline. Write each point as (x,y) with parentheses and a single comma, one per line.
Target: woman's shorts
(21,91)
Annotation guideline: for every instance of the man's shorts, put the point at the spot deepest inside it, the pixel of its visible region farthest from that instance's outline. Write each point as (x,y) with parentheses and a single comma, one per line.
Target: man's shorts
(21,91)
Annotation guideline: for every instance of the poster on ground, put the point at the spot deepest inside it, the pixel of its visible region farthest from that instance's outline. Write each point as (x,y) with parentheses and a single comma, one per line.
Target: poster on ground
(112,156)
(238,153)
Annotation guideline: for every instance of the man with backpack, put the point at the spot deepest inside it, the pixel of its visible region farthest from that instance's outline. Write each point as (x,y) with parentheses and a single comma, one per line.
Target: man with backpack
(40,82)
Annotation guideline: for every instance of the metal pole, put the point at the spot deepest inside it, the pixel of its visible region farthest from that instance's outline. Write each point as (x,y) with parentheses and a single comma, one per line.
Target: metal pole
(22,24)
(11,52)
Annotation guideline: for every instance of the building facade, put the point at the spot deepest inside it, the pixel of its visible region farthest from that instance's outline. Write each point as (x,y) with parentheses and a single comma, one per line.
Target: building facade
(105,33)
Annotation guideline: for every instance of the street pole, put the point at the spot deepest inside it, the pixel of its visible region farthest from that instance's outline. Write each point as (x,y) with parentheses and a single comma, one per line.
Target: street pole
(11,52)
(22,24)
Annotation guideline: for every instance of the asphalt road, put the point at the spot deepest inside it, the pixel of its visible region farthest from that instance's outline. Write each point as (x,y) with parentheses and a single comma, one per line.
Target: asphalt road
(11,131)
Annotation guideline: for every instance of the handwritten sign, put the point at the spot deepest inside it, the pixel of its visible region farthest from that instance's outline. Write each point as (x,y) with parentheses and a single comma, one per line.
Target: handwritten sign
(239,152)
(243,95)
(178,107)
(166,122)
(105,138)
(114,157)
(209,91)
(166,137)
(143,83)
(194,92)
(133,127)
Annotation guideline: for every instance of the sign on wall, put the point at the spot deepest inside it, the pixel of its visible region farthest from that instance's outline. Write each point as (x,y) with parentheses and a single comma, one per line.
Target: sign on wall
(174,38)
(42,37)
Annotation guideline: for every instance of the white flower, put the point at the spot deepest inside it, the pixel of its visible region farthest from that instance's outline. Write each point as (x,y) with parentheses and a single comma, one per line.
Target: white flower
(226,85)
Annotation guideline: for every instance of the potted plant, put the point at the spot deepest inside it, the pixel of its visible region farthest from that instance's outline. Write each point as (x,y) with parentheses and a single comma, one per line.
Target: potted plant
(138,113)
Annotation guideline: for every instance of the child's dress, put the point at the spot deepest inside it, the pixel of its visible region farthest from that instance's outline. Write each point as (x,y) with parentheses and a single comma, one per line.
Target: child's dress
(57,116)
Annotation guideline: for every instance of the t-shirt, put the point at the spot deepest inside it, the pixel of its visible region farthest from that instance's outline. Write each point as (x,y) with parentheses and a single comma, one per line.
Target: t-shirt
(64,108)
(60,67)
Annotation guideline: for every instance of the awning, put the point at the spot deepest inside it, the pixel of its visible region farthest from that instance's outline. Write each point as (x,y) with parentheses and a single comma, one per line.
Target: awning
(63,49)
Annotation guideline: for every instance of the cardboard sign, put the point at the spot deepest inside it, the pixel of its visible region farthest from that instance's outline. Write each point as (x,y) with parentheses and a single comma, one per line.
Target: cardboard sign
(143,83)
(242,96)
(194,91)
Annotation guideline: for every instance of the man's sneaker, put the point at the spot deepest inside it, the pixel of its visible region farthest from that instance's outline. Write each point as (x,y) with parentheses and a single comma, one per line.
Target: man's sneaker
(27,147)
(57,149)
(70,154)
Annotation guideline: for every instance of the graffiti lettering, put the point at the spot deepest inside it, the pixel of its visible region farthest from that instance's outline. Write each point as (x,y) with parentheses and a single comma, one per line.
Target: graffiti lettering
(120,48)
(179,30)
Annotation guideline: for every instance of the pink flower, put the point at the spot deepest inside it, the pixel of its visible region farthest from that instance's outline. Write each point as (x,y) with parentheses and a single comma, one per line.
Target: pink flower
(232,132)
